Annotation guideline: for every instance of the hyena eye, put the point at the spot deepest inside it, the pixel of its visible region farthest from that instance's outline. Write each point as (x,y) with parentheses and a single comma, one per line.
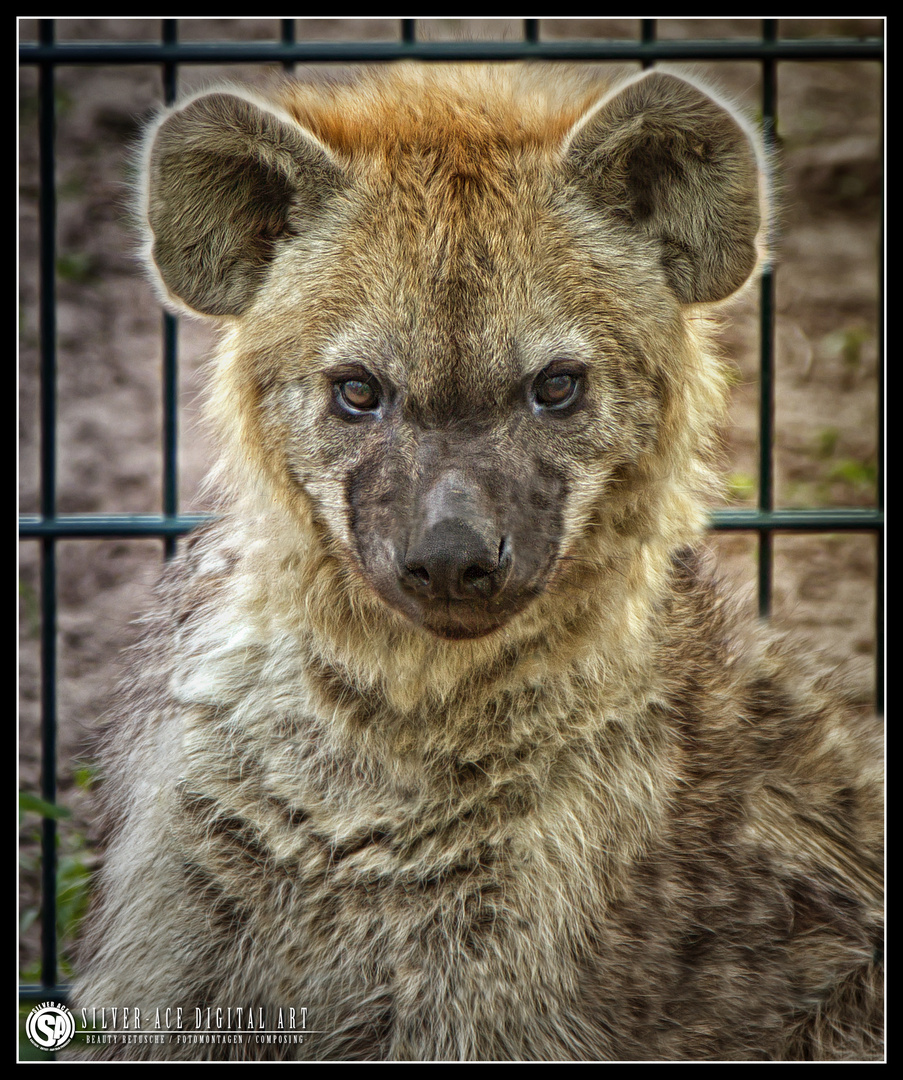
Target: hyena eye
(358,395)
(556,388)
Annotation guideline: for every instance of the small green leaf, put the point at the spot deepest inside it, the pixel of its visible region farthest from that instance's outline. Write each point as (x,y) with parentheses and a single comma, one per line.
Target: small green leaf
(36,805)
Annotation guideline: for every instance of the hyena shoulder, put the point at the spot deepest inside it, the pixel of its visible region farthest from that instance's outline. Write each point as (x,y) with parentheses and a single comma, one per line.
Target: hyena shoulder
(442,730)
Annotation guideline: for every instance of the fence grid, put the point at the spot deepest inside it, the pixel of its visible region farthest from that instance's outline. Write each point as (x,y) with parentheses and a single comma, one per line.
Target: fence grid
(48,527)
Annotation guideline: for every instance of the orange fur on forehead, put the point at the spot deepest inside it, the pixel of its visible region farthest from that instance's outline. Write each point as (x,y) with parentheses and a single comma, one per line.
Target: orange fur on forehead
(464,110)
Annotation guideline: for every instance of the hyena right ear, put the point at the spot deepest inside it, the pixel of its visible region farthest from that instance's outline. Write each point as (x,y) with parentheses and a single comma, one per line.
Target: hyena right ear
(226,178)
(667,159)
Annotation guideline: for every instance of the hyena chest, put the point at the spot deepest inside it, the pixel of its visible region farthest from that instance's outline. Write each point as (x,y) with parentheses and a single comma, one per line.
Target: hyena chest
(400,943)
(434,945)
(461,935)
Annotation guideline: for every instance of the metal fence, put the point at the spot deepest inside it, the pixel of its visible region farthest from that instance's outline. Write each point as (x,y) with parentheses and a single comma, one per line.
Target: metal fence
(48,526)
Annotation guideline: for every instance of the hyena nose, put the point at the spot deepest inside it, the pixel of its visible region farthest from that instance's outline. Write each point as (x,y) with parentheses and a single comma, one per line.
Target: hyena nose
(453,560)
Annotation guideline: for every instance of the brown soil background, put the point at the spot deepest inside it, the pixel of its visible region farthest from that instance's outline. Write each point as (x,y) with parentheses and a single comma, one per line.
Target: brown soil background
(109,359)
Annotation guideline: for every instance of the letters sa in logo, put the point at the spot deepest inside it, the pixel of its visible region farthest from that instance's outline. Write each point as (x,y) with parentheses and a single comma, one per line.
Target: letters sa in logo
(50,1026)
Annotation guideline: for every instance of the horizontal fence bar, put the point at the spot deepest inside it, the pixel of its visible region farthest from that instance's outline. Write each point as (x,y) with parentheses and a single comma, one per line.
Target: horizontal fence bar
(30,992)
(75,526)
(325,52)
(822,520)
(68,527)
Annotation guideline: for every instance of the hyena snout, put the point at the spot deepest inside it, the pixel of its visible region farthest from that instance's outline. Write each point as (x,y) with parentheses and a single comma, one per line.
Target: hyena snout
(456,549)
(459,549)
(457,559)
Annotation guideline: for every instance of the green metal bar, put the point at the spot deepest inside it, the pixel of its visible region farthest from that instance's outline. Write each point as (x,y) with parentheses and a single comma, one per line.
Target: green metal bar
(648,33)
(288,39)
(28,992)
(829,520)
(170,332)
(169,33)
(879,493)
(327,52)
(48,411)
(765,560)
(84,526)
(108,525)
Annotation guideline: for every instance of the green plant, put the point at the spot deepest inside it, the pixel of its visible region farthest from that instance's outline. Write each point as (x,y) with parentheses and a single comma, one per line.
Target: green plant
(741,487)
(847,344)
(29,597)
(78,267)
(826,442)
(861,474)
(73,873)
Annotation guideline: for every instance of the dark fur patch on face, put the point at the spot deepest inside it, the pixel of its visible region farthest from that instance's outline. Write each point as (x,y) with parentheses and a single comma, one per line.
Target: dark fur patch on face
(460,538)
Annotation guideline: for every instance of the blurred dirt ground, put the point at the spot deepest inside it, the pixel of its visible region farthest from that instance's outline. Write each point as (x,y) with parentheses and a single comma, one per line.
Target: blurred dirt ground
(109,362)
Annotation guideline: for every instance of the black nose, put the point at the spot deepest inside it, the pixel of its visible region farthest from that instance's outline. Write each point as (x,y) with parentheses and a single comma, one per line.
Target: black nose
(454,559)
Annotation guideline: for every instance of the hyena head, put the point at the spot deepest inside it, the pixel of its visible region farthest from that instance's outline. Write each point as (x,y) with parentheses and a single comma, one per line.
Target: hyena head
(460,308)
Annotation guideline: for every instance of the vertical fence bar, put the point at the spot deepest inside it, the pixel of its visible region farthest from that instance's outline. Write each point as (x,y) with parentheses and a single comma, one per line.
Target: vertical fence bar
(766,344)
(48,409)
(879,494)
(170,333)
(648,33)
(288,37)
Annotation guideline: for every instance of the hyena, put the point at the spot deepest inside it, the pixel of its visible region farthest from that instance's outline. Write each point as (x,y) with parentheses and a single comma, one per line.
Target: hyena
(442,729)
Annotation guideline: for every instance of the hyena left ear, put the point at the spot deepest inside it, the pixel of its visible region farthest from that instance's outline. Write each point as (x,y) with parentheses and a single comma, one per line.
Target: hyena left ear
(226,179)
(663,156)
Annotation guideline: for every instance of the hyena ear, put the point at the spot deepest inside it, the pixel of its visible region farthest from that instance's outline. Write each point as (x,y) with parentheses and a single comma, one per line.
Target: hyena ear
(226,179)
(677,166)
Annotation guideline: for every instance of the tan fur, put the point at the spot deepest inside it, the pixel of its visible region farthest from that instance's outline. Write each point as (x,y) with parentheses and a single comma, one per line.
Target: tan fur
(565,808)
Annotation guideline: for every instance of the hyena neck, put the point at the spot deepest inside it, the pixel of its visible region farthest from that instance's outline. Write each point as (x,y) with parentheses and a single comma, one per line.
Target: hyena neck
(307,627)
(510,738)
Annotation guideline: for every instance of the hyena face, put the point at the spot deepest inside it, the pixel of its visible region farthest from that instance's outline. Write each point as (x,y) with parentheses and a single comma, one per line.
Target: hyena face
(457,338)
(457,445)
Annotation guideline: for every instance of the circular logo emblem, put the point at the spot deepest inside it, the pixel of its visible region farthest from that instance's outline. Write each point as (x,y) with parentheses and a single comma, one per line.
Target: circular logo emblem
(50,1026)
